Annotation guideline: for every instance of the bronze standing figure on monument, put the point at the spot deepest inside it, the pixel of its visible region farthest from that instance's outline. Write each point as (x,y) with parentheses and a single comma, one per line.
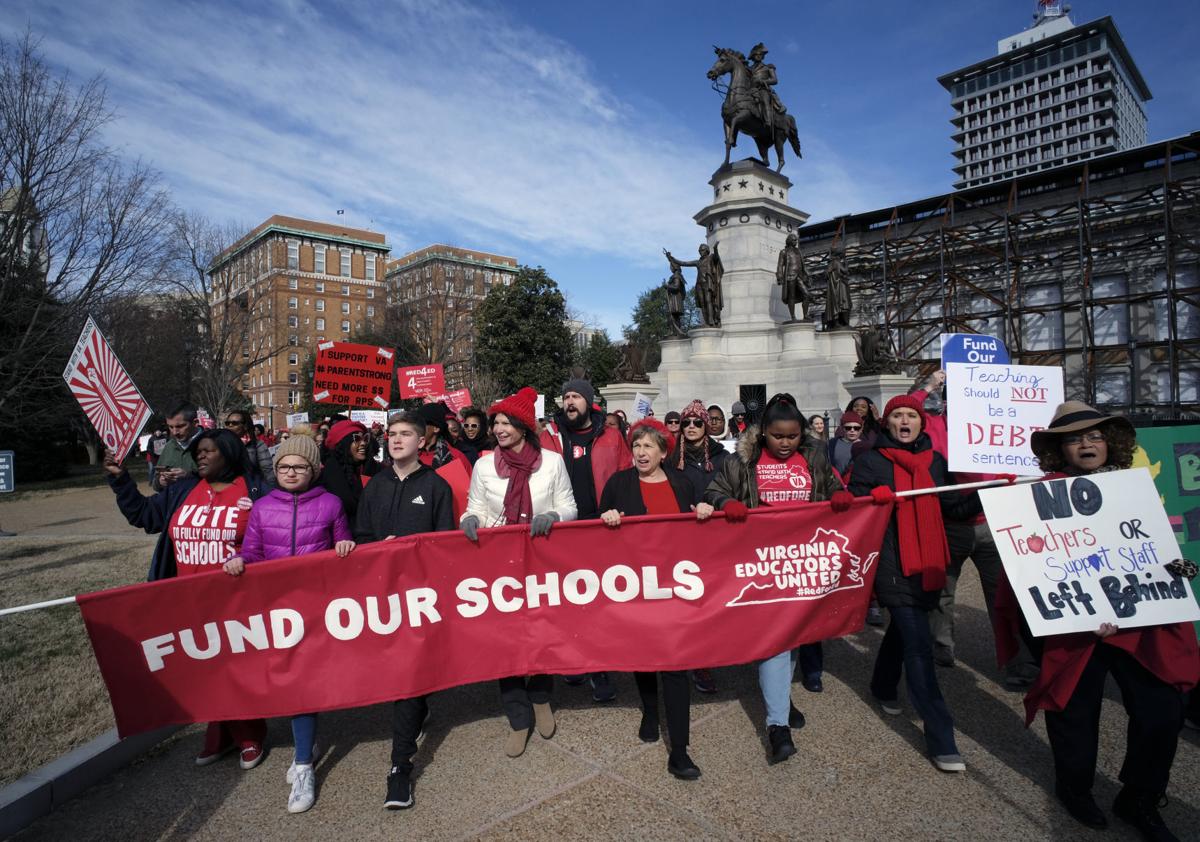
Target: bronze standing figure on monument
(751,105)
(676,290)
(792,276)
(708,282)
(837,293)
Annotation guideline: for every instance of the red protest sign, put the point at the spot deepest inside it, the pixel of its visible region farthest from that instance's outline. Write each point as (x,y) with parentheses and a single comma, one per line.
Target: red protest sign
(459,399)
(105,391)
(417,381)
(358,375)
(453,612)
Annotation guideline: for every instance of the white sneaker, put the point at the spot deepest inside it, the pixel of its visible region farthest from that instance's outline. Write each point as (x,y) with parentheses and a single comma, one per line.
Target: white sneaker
(304,790)
(891,708)
(950,762)
(291,772)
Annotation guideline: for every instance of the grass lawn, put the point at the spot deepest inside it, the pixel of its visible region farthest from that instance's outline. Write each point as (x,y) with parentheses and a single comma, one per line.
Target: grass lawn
(51,696)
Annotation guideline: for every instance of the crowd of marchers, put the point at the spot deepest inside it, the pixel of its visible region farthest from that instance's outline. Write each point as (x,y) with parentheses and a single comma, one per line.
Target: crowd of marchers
(341,484)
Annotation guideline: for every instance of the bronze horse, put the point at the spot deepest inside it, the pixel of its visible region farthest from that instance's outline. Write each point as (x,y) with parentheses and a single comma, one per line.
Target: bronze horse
(740,111)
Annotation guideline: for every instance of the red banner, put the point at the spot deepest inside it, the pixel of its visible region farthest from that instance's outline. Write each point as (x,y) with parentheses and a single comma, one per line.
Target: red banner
(414,615)
(457,400)
(105,392)
(357,375)
(417,381)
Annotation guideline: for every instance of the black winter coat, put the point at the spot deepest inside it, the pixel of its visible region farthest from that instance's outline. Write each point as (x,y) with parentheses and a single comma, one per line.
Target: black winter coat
(693,469)
(421,502)
(623,492)
(153,514)
(738,478)
(872,469)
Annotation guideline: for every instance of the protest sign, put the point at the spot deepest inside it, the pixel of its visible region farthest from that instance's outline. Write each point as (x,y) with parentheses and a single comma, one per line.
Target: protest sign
(6,471)
(1081,551)
(993,410)
(418,381)
(369,416)
(642,405)
(440,611)
(357,375)
(104,390)
(539,407)
(973,348)
(295,418)
(1172,455)
(204,420)
(458,399)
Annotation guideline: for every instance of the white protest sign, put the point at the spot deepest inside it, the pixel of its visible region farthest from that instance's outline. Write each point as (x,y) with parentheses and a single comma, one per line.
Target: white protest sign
(991,412)
(539,407)
(1082,551)
(295,418)
(641,405)
(369,416)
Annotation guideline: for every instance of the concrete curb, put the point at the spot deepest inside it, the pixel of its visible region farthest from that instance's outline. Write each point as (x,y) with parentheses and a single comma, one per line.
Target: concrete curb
(33,796)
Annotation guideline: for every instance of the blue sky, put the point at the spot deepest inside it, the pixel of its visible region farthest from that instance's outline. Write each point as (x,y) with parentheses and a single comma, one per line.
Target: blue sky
(578,136)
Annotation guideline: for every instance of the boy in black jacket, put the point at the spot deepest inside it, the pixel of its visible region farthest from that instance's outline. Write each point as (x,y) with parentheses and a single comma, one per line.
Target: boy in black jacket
(408,499)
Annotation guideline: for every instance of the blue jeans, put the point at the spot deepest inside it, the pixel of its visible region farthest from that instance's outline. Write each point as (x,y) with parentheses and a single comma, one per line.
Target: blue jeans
(304,734)
(908,647)
(775,681)
(812,660)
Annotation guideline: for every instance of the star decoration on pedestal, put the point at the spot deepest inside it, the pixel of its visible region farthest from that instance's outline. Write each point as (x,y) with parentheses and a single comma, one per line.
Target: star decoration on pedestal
(742,184)
(771,190)
(726,187)
(760,186)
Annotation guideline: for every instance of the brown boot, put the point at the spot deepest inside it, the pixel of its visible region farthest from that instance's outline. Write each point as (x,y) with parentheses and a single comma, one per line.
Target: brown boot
(543,720)
(514,744)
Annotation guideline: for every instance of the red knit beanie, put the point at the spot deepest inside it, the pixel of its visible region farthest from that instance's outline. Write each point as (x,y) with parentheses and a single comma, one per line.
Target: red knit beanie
(342,429)
(519,407)
(653,424)
(851,418)
(904,402)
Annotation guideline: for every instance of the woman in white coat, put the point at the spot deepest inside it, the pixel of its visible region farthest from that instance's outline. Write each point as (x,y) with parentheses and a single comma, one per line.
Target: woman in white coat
(519,483)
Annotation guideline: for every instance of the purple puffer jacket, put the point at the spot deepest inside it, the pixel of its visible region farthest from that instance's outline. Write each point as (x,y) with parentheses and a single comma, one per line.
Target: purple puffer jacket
(283,524)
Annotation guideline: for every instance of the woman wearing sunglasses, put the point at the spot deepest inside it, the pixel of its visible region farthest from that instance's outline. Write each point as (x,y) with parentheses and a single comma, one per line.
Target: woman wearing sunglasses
(347,468)
(474,438)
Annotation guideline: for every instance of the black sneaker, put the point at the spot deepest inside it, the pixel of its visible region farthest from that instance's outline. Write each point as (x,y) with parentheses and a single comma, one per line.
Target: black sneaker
(782,747)
(399,790)
(648,731)
(603,690)
(1082,807)
(682,767)
(1140,809)
(795,717)
(574,680)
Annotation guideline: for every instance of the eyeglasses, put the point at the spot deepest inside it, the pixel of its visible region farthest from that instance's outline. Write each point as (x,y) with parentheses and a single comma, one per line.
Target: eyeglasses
(1094,437)
(693,422)
(292,470)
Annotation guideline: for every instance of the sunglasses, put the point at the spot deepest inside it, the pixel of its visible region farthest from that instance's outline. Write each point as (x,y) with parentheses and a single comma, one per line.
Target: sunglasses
(851,426)
(693,422)
(234,424)
(357,437)
(470,425)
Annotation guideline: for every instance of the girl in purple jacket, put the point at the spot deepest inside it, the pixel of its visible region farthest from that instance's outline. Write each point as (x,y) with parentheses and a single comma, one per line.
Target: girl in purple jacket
(295,518)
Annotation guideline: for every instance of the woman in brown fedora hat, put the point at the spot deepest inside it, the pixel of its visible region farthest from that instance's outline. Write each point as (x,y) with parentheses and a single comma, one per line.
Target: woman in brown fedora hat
(1153,665)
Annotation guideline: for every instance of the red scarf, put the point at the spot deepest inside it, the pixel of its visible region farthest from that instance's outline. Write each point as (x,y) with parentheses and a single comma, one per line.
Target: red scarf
(516,468)
(920,531)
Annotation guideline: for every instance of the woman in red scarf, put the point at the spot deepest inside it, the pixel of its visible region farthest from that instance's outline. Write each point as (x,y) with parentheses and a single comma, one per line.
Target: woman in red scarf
(519,483)
(1153,665)
(912,567)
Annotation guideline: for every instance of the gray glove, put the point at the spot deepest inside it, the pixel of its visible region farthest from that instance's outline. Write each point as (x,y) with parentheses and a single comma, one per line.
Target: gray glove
(470,527)
(540,525)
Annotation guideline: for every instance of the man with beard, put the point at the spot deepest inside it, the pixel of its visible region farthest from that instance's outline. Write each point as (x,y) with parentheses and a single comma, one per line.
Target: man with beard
(592,453)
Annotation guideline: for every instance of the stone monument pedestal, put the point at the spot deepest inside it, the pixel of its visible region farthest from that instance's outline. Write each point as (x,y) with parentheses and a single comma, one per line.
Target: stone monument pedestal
(622,396)
(756,345)
(880,388)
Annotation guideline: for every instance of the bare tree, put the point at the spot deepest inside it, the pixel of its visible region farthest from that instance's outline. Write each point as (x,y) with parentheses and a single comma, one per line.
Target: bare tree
(77,226)
(229,326)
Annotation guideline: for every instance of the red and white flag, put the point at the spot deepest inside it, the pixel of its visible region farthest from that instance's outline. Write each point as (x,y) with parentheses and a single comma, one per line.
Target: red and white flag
(105,392)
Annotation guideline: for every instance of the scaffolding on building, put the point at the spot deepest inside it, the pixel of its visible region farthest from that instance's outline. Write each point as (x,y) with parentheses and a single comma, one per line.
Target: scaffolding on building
(1092,267)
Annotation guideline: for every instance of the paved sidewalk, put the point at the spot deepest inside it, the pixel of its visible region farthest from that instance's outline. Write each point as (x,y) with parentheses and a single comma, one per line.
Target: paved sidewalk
(858,774)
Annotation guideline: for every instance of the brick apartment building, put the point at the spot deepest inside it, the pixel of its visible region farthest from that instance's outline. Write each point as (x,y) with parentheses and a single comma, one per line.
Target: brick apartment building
(294,283)
(437,289)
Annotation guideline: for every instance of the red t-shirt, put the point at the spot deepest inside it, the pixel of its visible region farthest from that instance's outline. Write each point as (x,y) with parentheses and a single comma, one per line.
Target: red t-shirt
(659,498)
(207,528)
(783,482)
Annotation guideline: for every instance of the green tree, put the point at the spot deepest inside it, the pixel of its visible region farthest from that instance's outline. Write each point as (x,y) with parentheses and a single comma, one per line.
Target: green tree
(651,323)
(600,359)
(523,336)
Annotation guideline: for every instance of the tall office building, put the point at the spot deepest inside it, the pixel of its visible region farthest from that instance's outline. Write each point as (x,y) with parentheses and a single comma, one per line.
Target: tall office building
(1054,94)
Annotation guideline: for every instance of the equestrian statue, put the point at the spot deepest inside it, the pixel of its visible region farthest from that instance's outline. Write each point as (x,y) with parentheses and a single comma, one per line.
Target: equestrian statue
(751,105)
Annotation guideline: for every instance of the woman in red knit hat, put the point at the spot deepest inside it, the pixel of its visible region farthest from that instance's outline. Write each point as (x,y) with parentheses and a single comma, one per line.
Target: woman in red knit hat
(912,567)
(649,488)
(519,483)
(347,468)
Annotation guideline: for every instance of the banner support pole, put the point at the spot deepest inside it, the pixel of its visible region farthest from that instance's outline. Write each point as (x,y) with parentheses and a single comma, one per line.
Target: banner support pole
(33,606)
